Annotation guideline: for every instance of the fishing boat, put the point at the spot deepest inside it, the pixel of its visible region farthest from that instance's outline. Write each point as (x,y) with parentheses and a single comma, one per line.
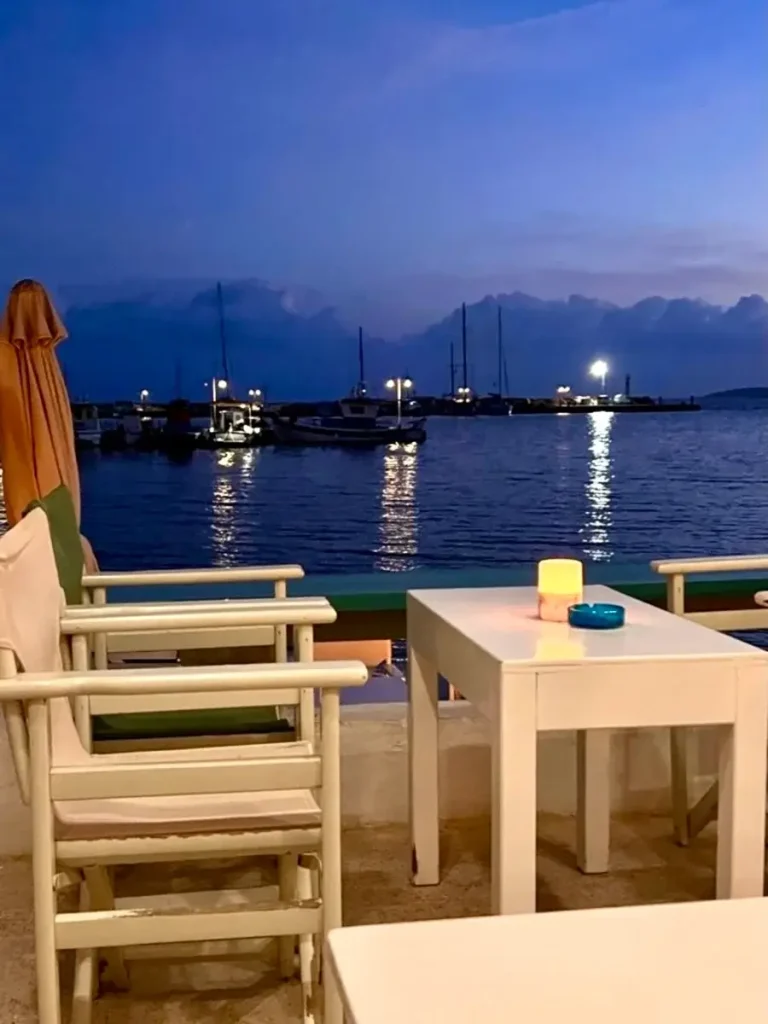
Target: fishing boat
(233,425)
(356,423)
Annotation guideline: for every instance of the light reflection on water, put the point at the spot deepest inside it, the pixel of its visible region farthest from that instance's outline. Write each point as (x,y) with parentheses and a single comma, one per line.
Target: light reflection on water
(234,473)
(598,519)
(399,523)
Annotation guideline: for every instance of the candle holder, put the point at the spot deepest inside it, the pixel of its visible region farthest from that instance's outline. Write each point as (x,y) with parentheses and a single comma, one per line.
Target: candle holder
(560,585)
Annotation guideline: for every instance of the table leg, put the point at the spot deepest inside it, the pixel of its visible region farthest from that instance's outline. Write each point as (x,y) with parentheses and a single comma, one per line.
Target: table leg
(741,821)
(593,799)
(423,755)
(513,795)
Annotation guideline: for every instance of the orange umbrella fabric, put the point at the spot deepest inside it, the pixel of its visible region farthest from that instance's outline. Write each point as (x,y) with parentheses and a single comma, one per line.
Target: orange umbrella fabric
(37,437)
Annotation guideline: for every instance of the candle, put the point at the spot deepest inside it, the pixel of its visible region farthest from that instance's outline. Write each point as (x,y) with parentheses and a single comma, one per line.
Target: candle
(561,582)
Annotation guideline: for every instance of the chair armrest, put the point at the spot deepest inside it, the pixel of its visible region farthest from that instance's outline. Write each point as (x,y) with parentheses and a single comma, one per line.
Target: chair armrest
(151,608)
(269,612)
(315,675)
(181,577)
(686,566)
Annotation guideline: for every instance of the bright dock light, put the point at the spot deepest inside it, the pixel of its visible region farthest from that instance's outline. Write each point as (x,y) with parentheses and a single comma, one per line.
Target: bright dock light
(599,369)
(399,385)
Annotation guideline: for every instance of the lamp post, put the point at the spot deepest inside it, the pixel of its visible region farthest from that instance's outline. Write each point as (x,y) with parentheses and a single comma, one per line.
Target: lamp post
(399,385)
(599,369)
(216,385)
(143,395)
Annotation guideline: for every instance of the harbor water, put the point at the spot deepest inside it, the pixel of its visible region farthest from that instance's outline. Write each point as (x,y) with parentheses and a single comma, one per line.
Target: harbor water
(480,492)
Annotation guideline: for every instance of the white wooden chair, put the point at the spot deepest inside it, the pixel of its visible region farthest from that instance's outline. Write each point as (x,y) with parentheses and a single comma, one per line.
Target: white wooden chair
(92,812)
(689,819)
(86,626)
(96,591)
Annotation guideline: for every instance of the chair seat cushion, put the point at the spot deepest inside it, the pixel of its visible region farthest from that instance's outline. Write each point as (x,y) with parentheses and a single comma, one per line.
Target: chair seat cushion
(129,817)
(185,815)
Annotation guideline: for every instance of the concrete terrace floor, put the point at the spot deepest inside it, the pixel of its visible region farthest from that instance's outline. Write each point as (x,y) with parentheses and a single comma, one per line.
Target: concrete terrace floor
(646,867)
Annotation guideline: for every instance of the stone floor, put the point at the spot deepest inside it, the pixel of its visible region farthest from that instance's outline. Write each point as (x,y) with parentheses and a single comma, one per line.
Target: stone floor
(646,867)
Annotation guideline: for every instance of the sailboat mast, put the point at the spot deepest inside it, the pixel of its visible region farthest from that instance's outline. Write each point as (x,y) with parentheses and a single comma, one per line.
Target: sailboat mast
(222,334)
(453,373)
(500,348)
(361,358)
(464,344)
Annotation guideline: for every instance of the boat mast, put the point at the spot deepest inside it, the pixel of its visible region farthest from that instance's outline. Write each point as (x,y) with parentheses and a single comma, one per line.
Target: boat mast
(222,335)
(361,362)
(500,349)
(464,345)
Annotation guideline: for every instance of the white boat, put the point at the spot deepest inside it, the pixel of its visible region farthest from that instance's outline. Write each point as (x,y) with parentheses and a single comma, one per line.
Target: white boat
(233,425)
(358,423)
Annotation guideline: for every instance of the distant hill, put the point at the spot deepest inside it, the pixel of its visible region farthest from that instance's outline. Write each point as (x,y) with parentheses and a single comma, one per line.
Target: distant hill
(740,393)
(294,344)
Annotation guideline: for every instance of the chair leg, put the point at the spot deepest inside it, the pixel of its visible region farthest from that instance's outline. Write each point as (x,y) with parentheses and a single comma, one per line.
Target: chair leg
(288,866)
(308,949)
(102,897)
(86,983)
(43,865)
(678,758)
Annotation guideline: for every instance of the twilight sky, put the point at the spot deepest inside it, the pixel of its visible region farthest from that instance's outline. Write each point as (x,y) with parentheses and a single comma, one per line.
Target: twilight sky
(396,154)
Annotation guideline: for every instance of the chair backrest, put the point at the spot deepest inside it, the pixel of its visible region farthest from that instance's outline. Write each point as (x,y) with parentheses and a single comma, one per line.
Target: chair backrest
(31,602)
(59,509)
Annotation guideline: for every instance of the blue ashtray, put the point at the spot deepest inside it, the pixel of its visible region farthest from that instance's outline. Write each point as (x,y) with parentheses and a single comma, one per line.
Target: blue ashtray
(596,616)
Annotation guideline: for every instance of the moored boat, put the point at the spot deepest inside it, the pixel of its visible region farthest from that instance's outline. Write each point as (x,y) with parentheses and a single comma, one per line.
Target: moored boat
(233,425)
(357,423)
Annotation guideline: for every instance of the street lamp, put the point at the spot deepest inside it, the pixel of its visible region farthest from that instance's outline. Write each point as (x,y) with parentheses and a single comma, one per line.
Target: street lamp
(599,369)
(143,395)
(399,385)
(254,393)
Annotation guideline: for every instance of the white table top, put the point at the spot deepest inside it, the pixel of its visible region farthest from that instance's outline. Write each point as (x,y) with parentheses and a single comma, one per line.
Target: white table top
(663,964)
(504,622)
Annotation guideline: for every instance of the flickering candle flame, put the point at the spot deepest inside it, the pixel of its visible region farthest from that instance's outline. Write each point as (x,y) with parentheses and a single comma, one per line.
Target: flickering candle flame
(561,584)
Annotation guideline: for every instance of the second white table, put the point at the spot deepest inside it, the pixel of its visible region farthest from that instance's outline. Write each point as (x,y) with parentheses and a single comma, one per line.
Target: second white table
(527,676)
(702,962)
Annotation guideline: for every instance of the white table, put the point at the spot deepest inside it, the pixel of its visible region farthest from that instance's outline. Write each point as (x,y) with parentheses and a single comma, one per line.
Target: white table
(663,964)
(527,676)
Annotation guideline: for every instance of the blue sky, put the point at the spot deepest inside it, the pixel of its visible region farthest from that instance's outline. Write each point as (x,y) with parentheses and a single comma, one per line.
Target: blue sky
(391,149)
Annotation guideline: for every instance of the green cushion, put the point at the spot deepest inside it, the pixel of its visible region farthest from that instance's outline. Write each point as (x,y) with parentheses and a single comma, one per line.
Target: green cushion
(173,724)
(65,535)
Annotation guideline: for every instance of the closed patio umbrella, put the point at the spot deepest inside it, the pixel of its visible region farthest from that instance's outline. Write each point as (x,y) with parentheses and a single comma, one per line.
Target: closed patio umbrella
(37,438)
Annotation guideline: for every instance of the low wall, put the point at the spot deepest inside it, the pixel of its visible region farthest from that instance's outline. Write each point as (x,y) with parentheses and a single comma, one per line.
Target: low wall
(375,766)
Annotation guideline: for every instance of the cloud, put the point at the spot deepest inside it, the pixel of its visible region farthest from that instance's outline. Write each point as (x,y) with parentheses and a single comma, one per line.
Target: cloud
(561,236)
(557,254)
(558,42)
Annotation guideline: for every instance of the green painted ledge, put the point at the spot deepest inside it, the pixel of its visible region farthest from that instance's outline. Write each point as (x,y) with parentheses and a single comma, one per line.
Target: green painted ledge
(385,591)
